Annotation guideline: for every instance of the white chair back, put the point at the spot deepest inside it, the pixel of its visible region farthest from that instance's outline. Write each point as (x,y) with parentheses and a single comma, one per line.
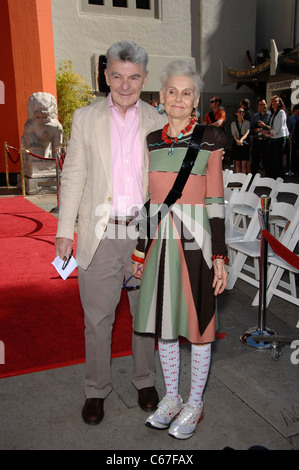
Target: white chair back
(264,186)
(238,180)
(246,200)
(242,251)
(281,275)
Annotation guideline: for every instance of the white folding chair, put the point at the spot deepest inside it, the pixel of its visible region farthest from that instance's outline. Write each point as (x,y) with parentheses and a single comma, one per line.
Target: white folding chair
(225,174)
(247,252)
(262,185)
(239,181)
(259,186)
(281,275)
(283,192)
(234,230)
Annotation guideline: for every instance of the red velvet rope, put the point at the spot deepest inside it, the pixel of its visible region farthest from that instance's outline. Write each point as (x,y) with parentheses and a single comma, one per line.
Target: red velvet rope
(30,153)
(38,156)
(10,157)
(280,249)
(10,147)
(61,160)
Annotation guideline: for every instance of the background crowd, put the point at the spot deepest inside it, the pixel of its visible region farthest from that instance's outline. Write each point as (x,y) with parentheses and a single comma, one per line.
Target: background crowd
(265,140)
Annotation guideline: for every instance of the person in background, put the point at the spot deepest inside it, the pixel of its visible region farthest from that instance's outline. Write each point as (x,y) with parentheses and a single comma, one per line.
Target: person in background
(294,131)
(183,265)
(217,116)
(240,129)
(104,176)
(154,103)
(245,104)
(278,134)
(260,143)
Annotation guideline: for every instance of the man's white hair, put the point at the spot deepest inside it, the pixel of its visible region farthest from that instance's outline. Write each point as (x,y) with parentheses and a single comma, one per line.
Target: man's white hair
(128,51)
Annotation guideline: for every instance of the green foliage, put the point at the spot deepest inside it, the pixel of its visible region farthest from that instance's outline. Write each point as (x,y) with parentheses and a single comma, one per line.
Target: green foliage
(72,92)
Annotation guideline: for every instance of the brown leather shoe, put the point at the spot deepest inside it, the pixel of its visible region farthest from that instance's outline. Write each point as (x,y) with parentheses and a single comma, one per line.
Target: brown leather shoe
(148,398)
(93,411)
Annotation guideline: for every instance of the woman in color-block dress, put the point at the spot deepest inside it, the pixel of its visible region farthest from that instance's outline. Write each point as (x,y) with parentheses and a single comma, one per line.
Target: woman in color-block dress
(182,265)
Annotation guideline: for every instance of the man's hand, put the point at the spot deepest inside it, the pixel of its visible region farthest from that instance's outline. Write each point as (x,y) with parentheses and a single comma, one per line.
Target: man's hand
(63,247)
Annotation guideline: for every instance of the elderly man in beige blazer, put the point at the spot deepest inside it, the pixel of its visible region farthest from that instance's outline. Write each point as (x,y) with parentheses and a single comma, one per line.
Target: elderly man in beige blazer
(104,179)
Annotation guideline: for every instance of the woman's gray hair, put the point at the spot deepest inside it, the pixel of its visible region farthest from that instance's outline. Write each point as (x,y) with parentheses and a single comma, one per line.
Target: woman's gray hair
(179,68)
(128,51)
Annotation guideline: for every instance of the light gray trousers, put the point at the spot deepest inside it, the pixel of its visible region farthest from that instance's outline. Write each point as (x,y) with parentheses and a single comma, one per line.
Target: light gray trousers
(100,290)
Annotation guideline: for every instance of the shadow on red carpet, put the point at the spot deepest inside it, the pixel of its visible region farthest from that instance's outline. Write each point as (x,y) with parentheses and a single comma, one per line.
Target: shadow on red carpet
(41,318)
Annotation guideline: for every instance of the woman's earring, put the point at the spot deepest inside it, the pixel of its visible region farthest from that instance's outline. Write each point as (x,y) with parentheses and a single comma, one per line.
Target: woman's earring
(196,113)
(160,108)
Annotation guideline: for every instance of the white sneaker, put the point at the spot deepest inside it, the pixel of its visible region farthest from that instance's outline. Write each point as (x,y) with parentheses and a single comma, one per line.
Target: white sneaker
(167,410)
(184,425)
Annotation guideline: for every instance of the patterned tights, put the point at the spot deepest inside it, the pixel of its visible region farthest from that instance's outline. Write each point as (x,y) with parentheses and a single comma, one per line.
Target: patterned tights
(169,353)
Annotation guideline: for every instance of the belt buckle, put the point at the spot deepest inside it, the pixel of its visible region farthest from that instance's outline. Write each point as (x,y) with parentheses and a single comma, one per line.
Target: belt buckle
(125,220)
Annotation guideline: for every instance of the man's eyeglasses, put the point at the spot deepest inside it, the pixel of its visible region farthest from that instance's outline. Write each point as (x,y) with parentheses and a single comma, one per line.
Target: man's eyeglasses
(213,101)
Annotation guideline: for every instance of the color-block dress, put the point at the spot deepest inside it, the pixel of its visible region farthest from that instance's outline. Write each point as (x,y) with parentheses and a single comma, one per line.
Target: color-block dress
(176,297)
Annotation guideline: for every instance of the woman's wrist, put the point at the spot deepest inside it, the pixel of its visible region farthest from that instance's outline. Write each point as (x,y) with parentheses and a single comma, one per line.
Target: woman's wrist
(138,256)
(223,257)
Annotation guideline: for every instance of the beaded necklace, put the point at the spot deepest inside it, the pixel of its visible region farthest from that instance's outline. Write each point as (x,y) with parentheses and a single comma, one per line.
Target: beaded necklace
(172,140)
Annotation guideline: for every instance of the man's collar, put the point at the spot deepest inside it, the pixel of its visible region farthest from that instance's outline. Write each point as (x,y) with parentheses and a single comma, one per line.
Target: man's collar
(112,105)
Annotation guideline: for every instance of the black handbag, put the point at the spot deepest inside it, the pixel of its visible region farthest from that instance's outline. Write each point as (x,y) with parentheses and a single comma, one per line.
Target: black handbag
(148,224)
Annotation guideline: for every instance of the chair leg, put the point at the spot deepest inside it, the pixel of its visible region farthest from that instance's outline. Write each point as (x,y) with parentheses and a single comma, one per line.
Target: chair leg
(289,286)
(273,289)
(235,270)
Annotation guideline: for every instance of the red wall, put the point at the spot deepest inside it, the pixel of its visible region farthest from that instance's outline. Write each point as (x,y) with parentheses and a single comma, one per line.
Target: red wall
(27,65)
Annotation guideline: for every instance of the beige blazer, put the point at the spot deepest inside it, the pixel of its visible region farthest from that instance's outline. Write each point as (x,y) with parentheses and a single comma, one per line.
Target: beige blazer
(86,183)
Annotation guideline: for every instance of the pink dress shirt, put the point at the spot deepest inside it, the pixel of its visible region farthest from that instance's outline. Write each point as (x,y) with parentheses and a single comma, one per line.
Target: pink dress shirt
(127,161)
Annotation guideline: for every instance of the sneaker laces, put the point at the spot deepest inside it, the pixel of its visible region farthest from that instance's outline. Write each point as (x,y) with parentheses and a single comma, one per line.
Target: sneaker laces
(167,408)
(188,417)
(168,403)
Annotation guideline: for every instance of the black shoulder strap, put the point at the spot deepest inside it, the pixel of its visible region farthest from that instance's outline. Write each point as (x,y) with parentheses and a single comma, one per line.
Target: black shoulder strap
(188,162)
(147,225)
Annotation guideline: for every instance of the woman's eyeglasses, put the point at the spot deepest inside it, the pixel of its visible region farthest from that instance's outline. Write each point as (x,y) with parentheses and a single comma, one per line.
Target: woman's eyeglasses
(128,288)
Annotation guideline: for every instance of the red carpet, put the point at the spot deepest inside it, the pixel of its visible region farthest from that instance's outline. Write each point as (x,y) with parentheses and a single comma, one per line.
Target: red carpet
(41,318)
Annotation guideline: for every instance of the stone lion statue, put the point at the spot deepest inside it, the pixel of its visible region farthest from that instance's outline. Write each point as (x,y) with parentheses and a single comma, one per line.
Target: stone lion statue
(42,130)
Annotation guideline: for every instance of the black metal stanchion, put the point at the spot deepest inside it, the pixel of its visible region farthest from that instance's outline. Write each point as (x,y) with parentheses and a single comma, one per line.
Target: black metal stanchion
(6,165)
(261,330)
(57,156)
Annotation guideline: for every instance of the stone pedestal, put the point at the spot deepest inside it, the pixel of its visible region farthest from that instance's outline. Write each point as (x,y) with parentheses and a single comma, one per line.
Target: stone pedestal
(39,168)
(39,185)
(40,175)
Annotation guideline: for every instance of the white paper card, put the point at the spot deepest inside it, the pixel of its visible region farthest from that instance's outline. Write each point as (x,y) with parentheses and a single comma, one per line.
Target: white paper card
(64,273)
